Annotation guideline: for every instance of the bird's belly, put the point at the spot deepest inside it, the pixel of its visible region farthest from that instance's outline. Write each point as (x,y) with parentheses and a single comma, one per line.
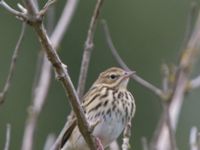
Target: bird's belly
(108,130)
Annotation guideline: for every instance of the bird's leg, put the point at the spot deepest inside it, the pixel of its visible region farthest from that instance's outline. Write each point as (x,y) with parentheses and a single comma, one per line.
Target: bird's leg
(99,144)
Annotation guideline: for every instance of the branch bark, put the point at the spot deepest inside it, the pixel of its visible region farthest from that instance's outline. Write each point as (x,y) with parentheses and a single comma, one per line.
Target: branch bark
(189,56)
(36,21)
(41,89)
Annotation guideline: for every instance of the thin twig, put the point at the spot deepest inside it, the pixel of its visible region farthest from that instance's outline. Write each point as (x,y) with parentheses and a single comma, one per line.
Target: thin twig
(40,90)
(88,49)
(12,65)
(171,131)
(64,22)
(115,54)
(20,15)
(39,96)
(191,18)
(46,7)
(194,83)
(8,137)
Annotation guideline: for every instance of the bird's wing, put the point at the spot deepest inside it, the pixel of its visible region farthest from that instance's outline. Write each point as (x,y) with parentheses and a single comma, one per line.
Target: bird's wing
(68,132)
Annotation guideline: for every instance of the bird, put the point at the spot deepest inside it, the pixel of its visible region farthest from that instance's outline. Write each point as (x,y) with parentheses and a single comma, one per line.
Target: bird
(109,104)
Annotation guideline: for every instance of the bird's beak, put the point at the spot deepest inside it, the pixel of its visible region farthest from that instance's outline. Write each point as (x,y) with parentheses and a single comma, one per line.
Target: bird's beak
(128,74)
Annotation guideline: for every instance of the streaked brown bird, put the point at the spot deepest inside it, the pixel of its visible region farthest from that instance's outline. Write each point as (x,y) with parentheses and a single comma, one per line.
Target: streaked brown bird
(107,102)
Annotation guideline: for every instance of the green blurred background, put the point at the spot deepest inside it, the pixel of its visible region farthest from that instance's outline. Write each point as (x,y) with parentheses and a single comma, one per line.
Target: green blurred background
(146,33)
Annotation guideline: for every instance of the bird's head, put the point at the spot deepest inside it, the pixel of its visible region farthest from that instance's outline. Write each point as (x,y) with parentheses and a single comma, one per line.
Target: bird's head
(114,78)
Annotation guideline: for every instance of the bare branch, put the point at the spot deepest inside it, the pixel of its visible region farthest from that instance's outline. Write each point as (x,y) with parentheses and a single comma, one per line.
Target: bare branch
(63,22)
(115,54)
(46,7)
(187,60)
(12,65)
(88,48)
(171,131)
(60,71)
(39,96)
(8,134)
(190,21)
(45,71)
(194,83)
(14,12)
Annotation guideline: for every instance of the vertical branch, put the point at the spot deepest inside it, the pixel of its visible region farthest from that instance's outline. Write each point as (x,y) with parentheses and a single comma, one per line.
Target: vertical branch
(88,49)
(8,134)
(187,60)
(12,65)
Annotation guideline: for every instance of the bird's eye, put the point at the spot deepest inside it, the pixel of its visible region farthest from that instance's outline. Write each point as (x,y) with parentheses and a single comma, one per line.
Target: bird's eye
(113,76)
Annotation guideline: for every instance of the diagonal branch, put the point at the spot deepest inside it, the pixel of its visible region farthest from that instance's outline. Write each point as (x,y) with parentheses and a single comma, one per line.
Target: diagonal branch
(61,72)
(12,65)
(88,49)
(44,79)
(115,54)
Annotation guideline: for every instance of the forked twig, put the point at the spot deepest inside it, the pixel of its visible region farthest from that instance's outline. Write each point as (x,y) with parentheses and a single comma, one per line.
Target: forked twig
(18,14)
(12,65)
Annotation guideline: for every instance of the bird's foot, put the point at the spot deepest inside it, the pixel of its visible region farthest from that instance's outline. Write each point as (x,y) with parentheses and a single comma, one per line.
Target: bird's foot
(99,144)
